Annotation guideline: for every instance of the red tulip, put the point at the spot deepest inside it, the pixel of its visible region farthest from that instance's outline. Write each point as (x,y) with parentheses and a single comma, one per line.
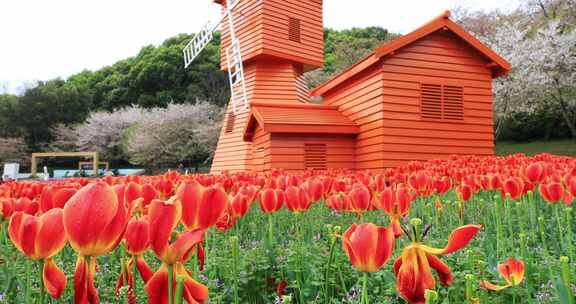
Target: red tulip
(271,200)
(94,222)
(514,187)
(41,238)
(368,246)
(464,192)
(535,172)
(55,197)
(420,182)
(164,216)
(297,199)
(396,202)
(239,205)
(360,198)
(339,202)
(513,273)
(201,207)
(137,241)
(414,268)
(552,192)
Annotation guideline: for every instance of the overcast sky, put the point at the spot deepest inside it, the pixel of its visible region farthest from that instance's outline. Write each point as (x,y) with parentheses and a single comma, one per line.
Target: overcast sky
(41,40)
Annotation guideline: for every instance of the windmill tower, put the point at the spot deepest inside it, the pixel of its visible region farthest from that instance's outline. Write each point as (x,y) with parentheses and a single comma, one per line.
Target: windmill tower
(266,46)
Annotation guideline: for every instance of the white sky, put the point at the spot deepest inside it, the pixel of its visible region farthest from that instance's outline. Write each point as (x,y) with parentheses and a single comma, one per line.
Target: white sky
(41,40)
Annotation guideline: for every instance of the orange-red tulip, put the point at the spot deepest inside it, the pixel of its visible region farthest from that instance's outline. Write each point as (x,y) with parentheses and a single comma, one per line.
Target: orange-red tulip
(368,246)
(535,172)
(239,205)
(360,198)
(55,197)
(513,273)
(552,192)
(201,206)
(94,222)
(396,202)
(271,200)
(414,268)
(297,199)
(137,241)
(164,216)
(514,187)
(41,238)
(339,202)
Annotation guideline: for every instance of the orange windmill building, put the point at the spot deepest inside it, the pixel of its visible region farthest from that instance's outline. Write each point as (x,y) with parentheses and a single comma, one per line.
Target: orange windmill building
(425,95)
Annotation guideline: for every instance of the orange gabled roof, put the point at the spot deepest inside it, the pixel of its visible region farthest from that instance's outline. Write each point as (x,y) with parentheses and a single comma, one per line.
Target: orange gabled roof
(499,65)
(276,117)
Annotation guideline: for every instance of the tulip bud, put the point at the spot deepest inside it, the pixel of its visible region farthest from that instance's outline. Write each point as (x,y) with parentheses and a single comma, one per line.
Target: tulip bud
(415,222)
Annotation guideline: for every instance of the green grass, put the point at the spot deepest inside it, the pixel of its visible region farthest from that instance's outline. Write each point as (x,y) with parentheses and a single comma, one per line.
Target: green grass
(558,147)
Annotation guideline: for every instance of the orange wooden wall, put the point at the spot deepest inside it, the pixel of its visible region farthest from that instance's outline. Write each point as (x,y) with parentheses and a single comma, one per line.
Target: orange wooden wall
(440,58)
(294,152)
(360,99)
(265,81)
(264,28)
(385,101)
(279,40)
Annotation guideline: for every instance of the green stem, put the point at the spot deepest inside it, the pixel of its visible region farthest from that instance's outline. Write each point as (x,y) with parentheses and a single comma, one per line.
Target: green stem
(28,283)
(569,232)
(235,265)
(327,293)
(270,230)
(134,277)
(559,223)
(170,278)
(499,241)
(513,294)
(365,289)
(41,266)
(299,266)
(179,290)
(543,234)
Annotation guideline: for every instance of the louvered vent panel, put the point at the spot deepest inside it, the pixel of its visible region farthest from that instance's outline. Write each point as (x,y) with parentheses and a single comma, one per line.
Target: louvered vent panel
(431,101)
(315,156)
(441,102)
(453,103)
(230,121)
(294,29)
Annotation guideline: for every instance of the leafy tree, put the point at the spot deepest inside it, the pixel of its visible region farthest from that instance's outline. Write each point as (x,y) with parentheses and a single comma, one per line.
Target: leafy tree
(344,48)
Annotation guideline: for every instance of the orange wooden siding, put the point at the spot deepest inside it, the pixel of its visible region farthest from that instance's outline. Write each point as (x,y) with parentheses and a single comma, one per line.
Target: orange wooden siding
(263,28)
(270,81)
(292,151)
(440,58)
(360,99)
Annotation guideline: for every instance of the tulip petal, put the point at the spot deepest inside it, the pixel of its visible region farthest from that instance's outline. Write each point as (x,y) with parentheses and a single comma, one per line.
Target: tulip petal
(157,288)
(385,247)
(489,286)
(144,269)
(54,279)
(459,238)
(193,290)
(51,235)
(443,271)
(84,290)
(163,218)
(179,249)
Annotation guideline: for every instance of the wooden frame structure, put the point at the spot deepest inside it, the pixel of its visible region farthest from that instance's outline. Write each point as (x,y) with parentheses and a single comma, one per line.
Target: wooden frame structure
(93,155)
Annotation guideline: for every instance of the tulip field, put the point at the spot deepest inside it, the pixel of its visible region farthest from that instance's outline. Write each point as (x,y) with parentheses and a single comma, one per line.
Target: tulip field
(463,230)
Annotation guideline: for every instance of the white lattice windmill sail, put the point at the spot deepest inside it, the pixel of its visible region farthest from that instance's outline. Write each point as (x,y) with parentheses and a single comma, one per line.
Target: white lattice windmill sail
(233,56)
